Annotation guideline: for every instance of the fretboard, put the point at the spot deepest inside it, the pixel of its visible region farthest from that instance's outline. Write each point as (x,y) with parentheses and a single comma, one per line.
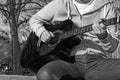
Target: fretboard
(87,28)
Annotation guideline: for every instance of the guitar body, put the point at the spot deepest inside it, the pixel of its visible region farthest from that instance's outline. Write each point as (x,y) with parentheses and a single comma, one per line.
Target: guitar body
(56,45)
(34,57)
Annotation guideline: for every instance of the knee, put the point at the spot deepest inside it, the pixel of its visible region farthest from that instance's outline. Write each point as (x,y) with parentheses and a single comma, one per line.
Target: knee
(45,75)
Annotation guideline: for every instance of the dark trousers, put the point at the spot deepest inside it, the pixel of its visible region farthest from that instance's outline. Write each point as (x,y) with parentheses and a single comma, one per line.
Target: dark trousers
(89,67)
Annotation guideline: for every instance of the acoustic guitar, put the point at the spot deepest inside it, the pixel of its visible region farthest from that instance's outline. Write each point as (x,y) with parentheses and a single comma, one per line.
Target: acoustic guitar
(59,47)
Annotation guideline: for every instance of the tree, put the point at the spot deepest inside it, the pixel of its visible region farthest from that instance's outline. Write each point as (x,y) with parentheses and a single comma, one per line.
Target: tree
(16,13)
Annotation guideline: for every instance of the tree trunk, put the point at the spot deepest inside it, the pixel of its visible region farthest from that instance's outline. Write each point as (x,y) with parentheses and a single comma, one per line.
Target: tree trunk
(15,46)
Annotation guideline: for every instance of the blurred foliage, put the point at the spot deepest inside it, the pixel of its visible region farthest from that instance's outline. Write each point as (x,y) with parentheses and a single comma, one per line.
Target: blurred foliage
(29,7)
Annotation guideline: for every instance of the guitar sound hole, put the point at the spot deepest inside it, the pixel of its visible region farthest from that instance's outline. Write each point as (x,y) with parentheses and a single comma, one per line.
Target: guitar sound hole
(55,39)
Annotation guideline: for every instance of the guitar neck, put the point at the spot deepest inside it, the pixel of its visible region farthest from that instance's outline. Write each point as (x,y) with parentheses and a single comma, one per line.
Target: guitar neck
(88,28)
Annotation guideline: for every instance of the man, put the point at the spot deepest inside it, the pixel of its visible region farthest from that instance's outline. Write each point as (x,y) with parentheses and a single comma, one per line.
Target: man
(91,61)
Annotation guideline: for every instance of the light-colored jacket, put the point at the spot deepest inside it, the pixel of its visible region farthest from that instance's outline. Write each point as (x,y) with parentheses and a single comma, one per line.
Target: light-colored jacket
(58,10)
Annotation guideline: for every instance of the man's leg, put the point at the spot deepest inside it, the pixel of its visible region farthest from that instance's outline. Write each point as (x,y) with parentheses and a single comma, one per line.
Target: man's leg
(56,69)
(103,69)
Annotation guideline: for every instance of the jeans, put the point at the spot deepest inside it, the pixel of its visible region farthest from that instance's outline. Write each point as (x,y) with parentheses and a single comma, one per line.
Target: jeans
(89,67)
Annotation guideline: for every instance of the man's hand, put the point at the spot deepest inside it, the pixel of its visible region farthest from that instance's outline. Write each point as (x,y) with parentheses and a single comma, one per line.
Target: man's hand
(100,30)
(46,36)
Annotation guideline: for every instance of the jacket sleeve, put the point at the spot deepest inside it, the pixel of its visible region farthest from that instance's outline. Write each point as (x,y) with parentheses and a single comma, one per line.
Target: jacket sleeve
(46,14)
(110,43)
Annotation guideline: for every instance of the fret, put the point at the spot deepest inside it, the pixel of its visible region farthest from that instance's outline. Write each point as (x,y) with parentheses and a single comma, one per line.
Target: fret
(111,21)
(78,30)
(75,30)
(82,29)
(87,28)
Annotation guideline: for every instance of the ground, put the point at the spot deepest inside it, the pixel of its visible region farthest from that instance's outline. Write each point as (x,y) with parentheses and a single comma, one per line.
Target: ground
(17,77)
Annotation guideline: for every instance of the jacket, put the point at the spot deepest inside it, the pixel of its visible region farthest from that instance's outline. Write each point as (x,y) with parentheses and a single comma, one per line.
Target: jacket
(60,10)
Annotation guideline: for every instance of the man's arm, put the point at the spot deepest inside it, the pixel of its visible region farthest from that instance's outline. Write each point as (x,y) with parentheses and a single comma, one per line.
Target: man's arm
(46,14)
(109,42)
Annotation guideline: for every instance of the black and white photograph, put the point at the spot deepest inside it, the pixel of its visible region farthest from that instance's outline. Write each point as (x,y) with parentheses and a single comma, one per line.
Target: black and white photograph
(59,39)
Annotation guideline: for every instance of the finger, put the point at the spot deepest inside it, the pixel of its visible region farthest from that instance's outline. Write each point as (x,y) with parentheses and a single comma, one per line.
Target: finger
(95,28)
(51,34)
(103,26)
(98,27)
(47,34)
(44,38)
